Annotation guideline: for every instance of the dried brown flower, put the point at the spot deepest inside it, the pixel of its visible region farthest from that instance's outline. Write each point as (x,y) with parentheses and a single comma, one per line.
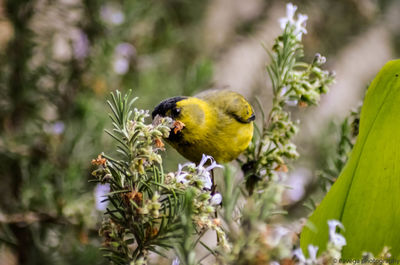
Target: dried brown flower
(99,161)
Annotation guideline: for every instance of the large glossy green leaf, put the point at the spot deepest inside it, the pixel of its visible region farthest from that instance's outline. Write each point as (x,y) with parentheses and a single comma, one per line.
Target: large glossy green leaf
(366,196)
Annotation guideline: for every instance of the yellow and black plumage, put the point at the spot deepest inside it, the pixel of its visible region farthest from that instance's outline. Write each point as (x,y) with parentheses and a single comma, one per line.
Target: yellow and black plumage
(215,122)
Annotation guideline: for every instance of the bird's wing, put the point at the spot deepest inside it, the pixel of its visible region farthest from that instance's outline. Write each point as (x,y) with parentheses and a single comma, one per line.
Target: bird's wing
(230,103)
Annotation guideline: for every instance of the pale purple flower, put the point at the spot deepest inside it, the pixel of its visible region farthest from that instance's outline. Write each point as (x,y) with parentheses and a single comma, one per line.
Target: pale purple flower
(80,45)
(122,55)
(292,103)
(100,193)
(276,235)
(216,199)
(283,93)
(58,128)
(112,15)
(176,262)
(284,90)
(121,65)
(181,174)
(337,239)
(125,49)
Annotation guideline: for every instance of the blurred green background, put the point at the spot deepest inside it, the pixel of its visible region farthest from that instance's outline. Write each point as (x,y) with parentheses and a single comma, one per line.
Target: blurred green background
(60,59)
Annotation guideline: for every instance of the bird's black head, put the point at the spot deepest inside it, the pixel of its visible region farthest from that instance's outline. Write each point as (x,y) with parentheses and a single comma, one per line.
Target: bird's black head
(167,105)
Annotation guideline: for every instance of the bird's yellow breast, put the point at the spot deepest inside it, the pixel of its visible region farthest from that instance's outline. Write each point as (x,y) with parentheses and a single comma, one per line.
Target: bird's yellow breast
(210,127)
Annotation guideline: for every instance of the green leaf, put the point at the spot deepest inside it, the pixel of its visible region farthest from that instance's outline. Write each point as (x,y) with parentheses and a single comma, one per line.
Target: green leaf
(366,196)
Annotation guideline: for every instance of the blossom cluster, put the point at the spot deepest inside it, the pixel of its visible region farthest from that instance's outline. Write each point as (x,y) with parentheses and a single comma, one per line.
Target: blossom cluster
(334,247)
(146,139)
(206,200)
(294,83)
(143,205)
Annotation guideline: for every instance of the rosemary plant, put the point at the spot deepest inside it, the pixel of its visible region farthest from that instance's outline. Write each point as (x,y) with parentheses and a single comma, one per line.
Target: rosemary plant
(294,83)
(348,133)
(143,211)
(147,208)
(255,235)
(153,211)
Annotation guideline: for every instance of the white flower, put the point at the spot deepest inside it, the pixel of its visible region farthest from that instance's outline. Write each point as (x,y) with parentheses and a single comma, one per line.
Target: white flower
(298,253)
(299,24)
(201,172)
(216,199)
(182,178)
(204,172)
(319,59)
(312,252)
(181,175)
(337,239)
(289,19)
(207,181)
(100,193)
(283,93)
(204,160)
(176,262)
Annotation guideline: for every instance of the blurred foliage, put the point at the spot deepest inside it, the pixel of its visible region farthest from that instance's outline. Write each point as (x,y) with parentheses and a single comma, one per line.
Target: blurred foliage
(336,144)
(58,60)
(56,67)
(348,132)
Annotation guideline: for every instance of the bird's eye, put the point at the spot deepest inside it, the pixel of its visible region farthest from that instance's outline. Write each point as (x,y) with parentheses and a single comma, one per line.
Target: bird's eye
(176,112)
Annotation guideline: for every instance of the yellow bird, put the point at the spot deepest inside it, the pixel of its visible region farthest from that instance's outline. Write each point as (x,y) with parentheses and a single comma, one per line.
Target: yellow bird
(218,123)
